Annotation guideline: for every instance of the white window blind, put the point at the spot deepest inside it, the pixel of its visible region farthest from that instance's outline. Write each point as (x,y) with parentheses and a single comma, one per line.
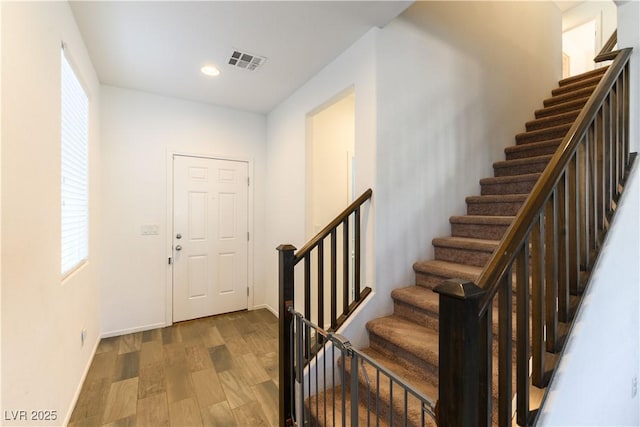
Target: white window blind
(74,185)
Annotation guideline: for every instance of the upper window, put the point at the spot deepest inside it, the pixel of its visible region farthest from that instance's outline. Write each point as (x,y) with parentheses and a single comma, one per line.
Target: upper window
(74,170)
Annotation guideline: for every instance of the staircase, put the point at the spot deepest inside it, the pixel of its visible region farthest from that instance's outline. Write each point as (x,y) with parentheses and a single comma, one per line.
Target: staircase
(406,342)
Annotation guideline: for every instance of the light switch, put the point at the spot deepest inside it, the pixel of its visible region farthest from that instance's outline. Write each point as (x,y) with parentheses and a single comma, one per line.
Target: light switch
(149,230)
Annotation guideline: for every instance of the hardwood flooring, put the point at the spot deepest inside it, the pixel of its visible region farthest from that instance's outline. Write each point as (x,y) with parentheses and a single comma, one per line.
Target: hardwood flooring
(215,371)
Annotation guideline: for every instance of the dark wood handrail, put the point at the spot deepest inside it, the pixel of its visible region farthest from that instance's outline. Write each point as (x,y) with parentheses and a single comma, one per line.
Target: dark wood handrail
(308,247)
(515,236)
(607,53)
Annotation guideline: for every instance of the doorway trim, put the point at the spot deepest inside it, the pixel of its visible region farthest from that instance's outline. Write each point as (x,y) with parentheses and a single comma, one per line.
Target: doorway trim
(171,152)
(309,141)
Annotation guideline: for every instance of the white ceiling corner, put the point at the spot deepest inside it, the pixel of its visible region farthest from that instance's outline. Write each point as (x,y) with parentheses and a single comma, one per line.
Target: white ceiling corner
(160,46)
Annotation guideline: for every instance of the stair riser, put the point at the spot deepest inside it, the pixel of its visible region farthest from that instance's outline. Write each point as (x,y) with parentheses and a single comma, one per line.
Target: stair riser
(520,187)
(421,317)
(575,86)
(561,108)
(540,136)
(408,360)
(552,122)
(522,169)
(429,280)
(573,79)
(333,401)
(532,151)
(494,208)
(463,256)
(479,231)
(568,96)
(380,405)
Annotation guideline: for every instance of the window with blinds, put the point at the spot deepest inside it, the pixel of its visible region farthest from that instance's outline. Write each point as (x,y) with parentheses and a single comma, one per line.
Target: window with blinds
(75,169)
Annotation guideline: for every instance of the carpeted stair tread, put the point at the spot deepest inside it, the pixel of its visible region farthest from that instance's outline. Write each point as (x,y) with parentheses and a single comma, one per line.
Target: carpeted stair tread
(483,219)
(505,204)
(562,107)
(425,302)
(520,166)
(417,304)
(498,198)
(553,120)
(332,398)
(480,226)
(575,94)
(466,243)
(406,336)
(367,377)
(422,298)
(590,81)
(512,184)
(543,134)
(315,409)
(465,250)
(534,149)
(430,273)
(407,341)
(411,376)
(586,75)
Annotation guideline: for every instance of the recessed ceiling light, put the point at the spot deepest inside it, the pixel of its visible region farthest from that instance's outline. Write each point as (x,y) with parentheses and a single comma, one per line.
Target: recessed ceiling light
(210,70)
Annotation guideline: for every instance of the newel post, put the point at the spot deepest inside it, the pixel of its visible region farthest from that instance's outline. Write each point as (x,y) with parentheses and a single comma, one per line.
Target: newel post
(459,354)
(286,264)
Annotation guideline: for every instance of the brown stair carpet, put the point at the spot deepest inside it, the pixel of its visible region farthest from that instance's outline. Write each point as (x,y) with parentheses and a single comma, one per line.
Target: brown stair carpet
(406,342)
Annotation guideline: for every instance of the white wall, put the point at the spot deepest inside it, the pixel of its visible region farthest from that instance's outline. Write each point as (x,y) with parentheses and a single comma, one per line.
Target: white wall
(456,82)
(332,138)
(604,12)
(581,47)
(629,36)
(1,6)
(43,362)
(286,156)
(442,110)
(138,132)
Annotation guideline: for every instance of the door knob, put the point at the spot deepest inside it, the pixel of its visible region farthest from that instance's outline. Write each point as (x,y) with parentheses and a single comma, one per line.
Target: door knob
(179,236)
(178,248)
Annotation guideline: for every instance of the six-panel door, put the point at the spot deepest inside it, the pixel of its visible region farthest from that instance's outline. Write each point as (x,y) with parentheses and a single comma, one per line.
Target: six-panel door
(210,236)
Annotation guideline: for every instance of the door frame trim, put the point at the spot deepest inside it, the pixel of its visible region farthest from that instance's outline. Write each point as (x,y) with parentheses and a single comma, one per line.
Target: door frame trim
(171,153)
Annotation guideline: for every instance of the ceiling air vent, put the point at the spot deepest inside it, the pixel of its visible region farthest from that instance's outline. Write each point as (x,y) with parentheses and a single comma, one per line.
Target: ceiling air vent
(247,61)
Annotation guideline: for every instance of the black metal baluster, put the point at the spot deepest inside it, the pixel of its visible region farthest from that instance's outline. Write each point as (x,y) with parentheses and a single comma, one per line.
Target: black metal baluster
(551,273)
(334,278)
(307,287)
(357,261)
(573,225)
(537,302)
(321,284)
(345,266)
(505,349)
(562,205)
(522,327)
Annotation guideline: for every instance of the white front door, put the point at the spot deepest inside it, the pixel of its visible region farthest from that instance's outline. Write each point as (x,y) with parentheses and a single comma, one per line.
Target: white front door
(210,234)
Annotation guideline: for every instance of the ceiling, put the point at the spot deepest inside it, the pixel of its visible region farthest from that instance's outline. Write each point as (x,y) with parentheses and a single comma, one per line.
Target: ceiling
(159,47)
(565,5)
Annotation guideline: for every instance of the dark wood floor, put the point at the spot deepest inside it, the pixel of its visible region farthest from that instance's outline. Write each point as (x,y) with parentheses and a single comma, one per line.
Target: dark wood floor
(216,371)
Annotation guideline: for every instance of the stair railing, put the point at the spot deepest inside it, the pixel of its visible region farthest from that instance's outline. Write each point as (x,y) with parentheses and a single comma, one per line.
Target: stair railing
(361,380)
(345,289)
(548,252)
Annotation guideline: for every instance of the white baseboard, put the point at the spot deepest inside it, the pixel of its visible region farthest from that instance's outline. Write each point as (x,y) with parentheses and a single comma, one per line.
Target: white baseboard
(268,307)
(76,395)
(133,330)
